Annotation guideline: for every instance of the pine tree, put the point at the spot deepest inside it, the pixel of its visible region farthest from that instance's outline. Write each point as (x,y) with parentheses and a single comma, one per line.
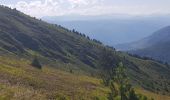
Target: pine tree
(124,89)
(122,80)
(132,95)
(114,91)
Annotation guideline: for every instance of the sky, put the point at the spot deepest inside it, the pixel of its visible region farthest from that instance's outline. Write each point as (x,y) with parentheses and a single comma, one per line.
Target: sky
(40,8)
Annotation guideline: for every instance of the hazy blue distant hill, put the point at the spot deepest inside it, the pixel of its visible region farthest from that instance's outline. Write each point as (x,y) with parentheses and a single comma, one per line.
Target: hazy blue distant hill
(113,29)
(156,46)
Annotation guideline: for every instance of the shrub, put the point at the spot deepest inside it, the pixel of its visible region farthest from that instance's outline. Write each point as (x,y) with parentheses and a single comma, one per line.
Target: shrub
(36,63)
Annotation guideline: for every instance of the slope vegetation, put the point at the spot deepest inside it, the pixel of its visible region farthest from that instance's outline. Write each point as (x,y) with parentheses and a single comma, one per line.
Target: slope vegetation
(20,81)
(24,37)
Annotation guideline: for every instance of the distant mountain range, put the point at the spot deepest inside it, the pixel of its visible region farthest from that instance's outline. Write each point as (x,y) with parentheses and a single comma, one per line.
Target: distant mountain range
(113,29)
(156,46)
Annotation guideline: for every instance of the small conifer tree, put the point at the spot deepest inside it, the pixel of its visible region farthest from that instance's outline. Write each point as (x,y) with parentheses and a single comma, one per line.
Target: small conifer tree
(36,63)
(123,88)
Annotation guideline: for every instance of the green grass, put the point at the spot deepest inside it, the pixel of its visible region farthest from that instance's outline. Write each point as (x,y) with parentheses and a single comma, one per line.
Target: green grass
(152,95)
(149,74)
(20,80)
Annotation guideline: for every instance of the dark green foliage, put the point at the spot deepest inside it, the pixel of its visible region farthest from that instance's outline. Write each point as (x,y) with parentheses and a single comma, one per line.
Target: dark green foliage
(132,95)
(121,79)
(124,89)
(105,78)
(149,58)
(114,92)
(71,71)
(152,99)
(96,98)
(145,98)
(97,41)
(36,63)
(108,60)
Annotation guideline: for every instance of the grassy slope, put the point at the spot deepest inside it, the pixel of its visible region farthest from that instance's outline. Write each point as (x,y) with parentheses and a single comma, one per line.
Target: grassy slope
(19,81)
(148,74)
(20,33)
(153,95)
(25,35)
(59,47)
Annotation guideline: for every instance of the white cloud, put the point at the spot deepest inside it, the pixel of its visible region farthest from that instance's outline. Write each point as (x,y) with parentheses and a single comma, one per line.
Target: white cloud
(41,8)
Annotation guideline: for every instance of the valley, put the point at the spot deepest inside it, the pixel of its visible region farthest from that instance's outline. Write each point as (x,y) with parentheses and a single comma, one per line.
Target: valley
(72,63)
(155,46)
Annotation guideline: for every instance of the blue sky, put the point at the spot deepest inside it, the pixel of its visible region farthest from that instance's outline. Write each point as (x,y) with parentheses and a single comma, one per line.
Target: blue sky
(40,8)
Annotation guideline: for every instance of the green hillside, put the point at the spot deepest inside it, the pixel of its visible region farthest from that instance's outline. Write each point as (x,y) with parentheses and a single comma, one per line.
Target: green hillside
(20,81)
(23,37)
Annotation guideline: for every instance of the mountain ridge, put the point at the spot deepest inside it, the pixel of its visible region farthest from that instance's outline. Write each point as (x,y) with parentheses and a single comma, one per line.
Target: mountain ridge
(26,37)
(155,46)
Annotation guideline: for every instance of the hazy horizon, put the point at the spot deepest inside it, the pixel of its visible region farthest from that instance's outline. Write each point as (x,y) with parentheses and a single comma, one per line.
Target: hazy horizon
(40,8)
(133,20)
(113,30)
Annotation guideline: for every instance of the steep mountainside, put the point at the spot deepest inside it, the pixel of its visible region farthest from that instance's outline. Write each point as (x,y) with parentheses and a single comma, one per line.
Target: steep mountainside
(23,34)
(160,36)
(156,46)
(24,37)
